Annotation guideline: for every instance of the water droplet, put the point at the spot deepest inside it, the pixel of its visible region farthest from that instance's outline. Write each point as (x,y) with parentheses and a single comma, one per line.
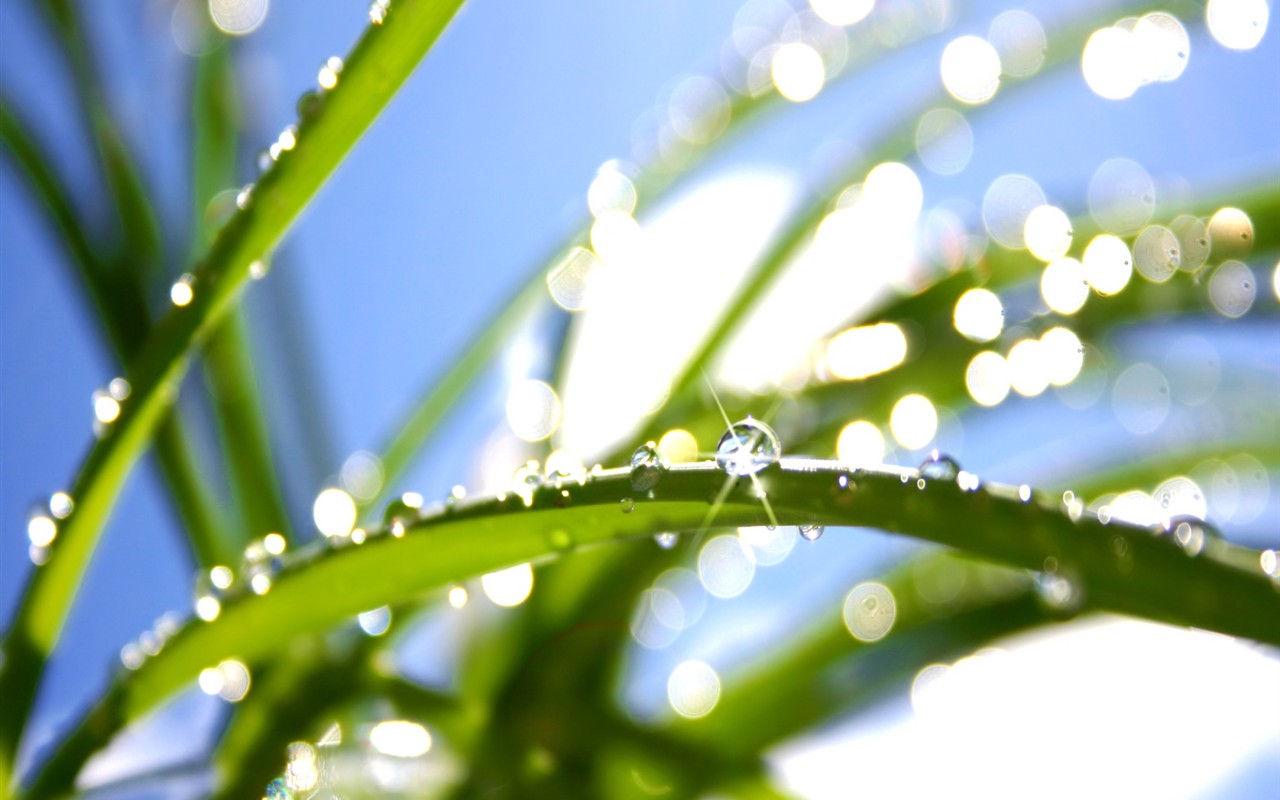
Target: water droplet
(131,656)
(939,467)
(747,447)
(647,467)
(260,564)
(259,268)
(183,291)
(1024,493)
(61,505)
(843,482)
(525,481)
(666,540)
(276,790)
(921,483)
(1191,534)
(119,389)
(327,77)
(628,505)
(811,533)
(309,105)
(967,481)
(401,513)
(458,492)
(244,197)
(106,409)
(1060,594)
(41,530)
(378,11)
(1269,562)
(265,160)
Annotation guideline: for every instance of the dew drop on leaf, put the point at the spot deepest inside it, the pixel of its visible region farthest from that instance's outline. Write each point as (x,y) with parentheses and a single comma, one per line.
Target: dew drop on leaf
(647,467)
(939,467)
(811,533)
(747,447)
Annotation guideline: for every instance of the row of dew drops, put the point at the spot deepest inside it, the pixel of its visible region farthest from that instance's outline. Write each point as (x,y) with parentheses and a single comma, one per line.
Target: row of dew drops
(746,448)
(182,292)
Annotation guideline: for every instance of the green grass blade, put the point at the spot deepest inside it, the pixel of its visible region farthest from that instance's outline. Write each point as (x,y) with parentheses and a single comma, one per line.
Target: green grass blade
(227,358)
(1222,590)
(376,67)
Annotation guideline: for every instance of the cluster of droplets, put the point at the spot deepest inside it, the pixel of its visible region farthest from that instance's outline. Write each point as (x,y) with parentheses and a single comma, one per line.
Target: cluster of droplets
(107,404)
(378,11)
(261,561)
(42,526)
(150,642)
(210,589)
(286,141)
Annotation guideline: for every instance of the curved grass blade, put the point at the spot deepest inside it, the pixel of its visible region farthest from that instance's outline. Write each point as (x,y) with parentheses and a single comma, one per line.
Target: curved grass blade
(125,320)
(379,63)
(1223,589)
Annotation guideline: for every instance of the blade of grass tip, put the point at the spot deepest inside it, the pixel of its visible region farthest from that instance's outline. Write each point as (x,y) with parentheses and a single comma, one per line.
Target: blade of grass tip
(324,585)
(125,327)
(376,67)
(797,230)
(228,361)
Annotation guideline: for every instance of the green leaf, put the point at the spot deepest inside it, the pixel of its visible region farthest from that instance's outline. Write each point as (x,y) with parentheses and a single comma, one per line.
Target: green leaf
(380,62)
(1120,568)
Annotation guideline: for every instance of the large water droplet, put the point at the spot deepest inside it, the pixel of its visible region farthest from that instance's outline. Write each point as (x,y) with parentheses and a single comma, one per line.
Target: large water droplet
(182,292)
(647,467)
(811,533)
(747,447)
(939,467)
(378,11)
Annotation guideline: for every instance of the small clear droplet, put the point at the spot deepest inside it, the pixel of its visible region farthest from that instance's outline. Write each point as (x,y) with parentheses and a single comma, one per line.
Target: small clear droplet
(244,197)
(458,492)
(525,481)
(378,11)
(183,291)
(119,389)
(647,467)
(747,447)
(811,533)
(1024,493)
(259,268)
(61,505)
(628,505)
(1060,594)
(265,160)
(666,540)
(939,467)
(843,482)
(327,77)
(402,512)
(309,105)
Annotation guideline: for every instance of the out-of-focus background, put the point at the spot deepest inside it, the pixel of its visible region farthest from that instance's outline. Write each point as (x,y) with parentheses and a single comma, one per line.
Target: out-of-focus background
(479,171)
